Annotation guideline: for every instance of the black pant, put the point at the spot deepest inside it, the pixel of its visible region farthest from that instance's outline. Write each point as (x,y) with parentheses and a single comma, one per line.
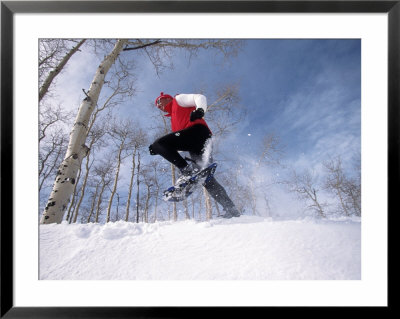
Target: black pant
(193,140)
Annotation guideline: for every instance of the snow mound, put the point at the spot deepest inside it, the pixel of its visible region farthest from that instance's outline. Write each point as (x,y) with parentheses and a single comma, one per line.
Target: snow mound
(245,248)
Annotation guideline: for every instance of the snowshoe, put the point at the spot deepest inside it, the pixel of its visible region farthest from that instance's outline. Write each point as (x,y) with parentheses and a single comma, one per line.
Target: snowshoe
(182,191)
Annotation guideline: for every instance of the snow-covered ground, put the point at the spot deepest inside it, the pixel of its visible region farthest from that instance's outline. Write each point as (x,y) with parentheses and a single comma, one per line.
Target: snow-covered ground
(242,248)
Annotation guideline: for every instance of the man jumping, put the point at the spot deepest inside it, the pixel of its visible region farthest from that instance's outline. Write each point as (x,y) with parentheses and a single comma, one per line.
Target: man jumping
(190,133)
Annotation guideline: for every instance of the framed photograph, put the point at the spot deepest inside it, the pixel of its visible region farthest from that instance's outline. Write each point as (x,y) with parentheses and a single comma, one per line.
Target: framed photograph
(342,58)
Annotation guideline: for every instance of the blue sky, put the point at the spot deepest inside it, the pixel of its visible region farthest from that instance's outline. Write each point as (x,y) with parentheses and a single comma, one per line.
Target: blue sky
(308,92)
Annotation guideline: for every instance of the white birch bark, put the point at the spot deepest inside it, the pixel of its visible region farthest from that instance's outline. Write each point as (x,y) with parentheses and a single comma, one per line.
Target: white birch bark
(146,207)
(138,189)
(128,203)
(115,181)
(72,205)
(93,204)
(87,168)
(156,192)
(174,211)
(193,203)
(100,200)
(186,208)
(208,204)
(65,180)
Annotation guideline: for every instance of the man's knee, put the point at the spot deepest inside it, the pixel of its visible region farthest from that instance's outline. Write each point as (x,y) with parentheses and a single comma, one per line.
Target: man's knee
(151,150)
(156,148)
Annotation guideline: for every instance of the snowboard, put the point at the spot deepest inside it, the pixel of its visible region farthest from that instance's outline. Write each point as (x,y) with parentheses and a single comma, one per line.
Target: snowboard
(180,192)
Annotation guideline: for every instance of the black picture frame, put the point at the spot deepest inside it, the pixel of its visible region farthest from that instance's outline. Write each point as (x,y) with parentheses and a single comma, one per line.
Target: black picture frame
(9,8)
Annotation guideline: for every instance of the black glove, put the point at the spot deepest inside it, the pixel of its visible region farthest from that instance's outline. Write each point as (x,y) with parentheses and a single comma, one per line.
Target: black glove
(196,114)
(151,150)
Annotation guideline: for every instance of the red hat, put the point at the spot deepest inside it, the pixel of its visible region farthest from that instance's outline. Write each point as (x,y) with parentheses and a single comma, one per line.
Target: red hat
(162,95)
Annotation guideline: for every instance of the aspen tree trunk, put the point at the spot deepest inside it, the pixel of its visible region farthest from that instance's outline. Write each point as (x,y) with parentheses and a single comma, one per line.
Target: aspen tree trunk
(156,191)
(57,70)
(117,217)
(208,204)
(100,200)
(253,198)
(71,206)
(185,205)
(115,182)
(200,207)
(320,209)
(146,209)
(156,200)
(193,217)
(138,189)
(174,212)
(77,150)
(78,205)
(128,203)
(93,204)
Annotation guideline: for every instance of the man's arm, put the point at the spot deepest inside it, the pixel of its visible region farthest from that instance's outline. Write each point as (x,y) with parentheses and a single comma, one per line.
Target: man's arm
(189,100)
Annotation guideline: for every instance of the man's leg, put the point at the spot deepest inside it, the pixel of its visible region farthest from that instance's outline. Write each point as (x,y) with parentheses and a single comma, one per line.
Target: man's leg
(191,139)
(216,190)
(168,146)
